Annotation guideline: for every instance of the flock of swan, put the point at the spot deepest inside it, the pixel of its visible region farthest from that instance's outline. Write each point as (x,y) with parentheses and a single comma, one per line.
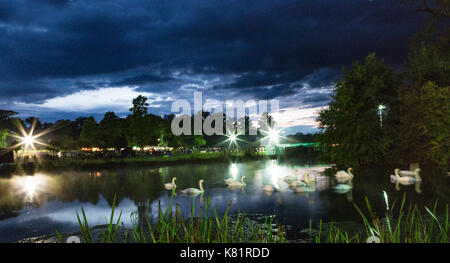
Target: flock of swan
(302,184)
(189,191)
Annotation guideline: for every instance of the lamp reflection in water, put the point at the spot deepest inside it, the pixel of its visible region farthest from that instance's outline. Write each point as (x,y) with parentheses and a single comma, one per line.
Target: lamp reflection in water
(30,186)
(234,171)
(273,171)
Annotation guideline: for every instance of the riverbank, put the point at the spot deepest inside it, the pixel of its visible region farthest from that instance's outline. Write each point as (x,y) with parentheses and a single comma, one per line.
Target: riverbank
(143,161)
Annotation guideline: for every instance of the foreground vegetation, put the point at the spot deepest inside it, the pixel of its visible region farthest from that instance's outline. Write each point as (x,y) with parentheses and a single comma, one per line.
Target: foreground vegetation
(408,225)
(172,227)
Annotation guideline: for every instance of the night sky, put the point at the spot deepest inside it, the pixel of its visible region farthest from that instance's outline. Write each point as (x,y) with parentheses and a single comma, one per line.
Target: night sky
(61,59)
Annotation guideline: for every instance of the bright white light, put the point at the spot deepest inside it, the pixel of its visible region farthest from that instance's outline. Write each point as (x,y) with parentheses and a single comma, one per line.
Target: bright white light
(30,187)
(274,168)
(274,171)
(232,138)
(28,140)
(234,171)
(274,135)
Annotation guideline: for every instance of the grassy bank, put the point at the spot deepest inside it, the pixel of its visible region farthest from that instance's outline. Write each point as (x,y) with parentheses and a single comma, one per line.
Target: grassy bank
(407,225)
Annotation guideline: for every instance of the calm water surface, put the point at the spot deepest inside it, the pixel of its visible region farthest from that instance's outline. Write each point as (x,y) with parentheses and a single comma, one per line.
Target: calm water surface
(36,205)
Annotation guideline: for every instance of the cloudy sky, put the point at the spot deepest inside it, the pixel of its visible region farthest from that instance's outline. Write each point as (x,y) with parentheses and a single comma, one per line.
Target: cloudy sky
(61,59)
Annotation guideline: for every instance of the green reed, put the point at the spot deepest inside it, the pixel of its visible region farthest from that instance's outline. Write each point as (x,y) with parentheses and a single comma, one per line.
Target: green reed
(172,226)
(408,225)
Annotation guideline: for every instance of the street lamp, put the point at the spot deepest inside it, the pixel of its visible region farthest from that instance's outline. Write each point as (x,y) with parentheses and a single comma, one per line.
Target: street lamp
(381,110)
(28,141)
(232,138)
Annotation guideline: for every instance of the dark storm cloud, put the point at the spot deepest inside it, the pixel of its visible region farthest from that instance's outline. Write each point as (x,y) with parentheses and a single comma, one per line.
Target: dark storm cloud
(316,98)
(142,79)
(271,48)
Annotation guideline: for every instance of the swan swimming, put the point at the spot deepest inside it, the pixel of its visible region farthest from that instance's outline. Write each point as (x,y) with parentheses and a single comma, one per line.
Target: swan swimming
(236,184)
(293,181)
(312,175)
(170,186)
(407,172)
(297,183)
(406,180)
(268,188)
(304,188)
(229,181)
(194,191)
(343,176)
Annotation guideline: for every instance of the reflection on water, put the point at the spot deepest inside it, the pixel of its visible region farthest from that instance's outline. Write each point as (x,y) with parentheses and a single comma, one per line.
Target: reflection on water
(35,205)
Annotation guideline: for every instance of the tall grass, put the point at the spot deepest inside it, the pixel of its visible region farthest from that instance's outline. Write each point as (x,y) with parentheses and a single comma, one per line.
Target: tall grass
(408,225)
(172,227)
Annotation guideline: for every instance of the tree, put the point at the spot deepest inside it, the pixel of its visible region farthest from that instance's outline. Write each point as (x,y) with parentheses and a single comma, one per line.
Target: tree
(438,8)
(6,114)
(350,127)
(89,134)
(143,129)
(425,125)
(423,116)
(110,132)
(140,106)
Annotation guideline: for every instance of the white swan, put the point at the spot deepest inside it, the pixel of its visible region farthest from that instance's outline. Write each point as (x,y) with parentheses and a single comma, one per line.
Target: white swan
(293,181)
(268,189)
(406,180)
(312,175)
(304,186)
(236,184)
(297,183)
(229,181)
(343,176)
(307,179)
(194,191)
(170,186)
(407,172)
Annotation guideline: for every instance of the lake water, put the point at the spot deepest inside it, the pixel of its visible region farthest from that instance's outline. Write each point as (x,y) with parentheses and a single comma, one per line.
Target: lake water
(36,205)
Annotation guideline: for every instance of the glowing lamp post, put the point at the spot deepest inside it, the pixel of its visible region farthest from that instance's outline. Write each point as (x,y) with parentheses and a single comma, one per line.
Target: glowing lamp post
(28,141)
(381,110)
(232,139)
(274,136)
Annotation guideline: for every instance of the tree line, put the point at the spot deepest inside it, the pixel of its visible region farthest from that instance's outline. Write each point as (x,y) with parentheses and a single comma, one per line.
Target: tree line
(140,128)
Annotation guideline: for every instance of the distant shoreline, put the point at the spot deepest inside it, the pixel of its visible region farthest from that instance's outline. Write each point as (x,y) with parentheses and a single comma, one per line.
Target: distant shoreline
(142,161)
